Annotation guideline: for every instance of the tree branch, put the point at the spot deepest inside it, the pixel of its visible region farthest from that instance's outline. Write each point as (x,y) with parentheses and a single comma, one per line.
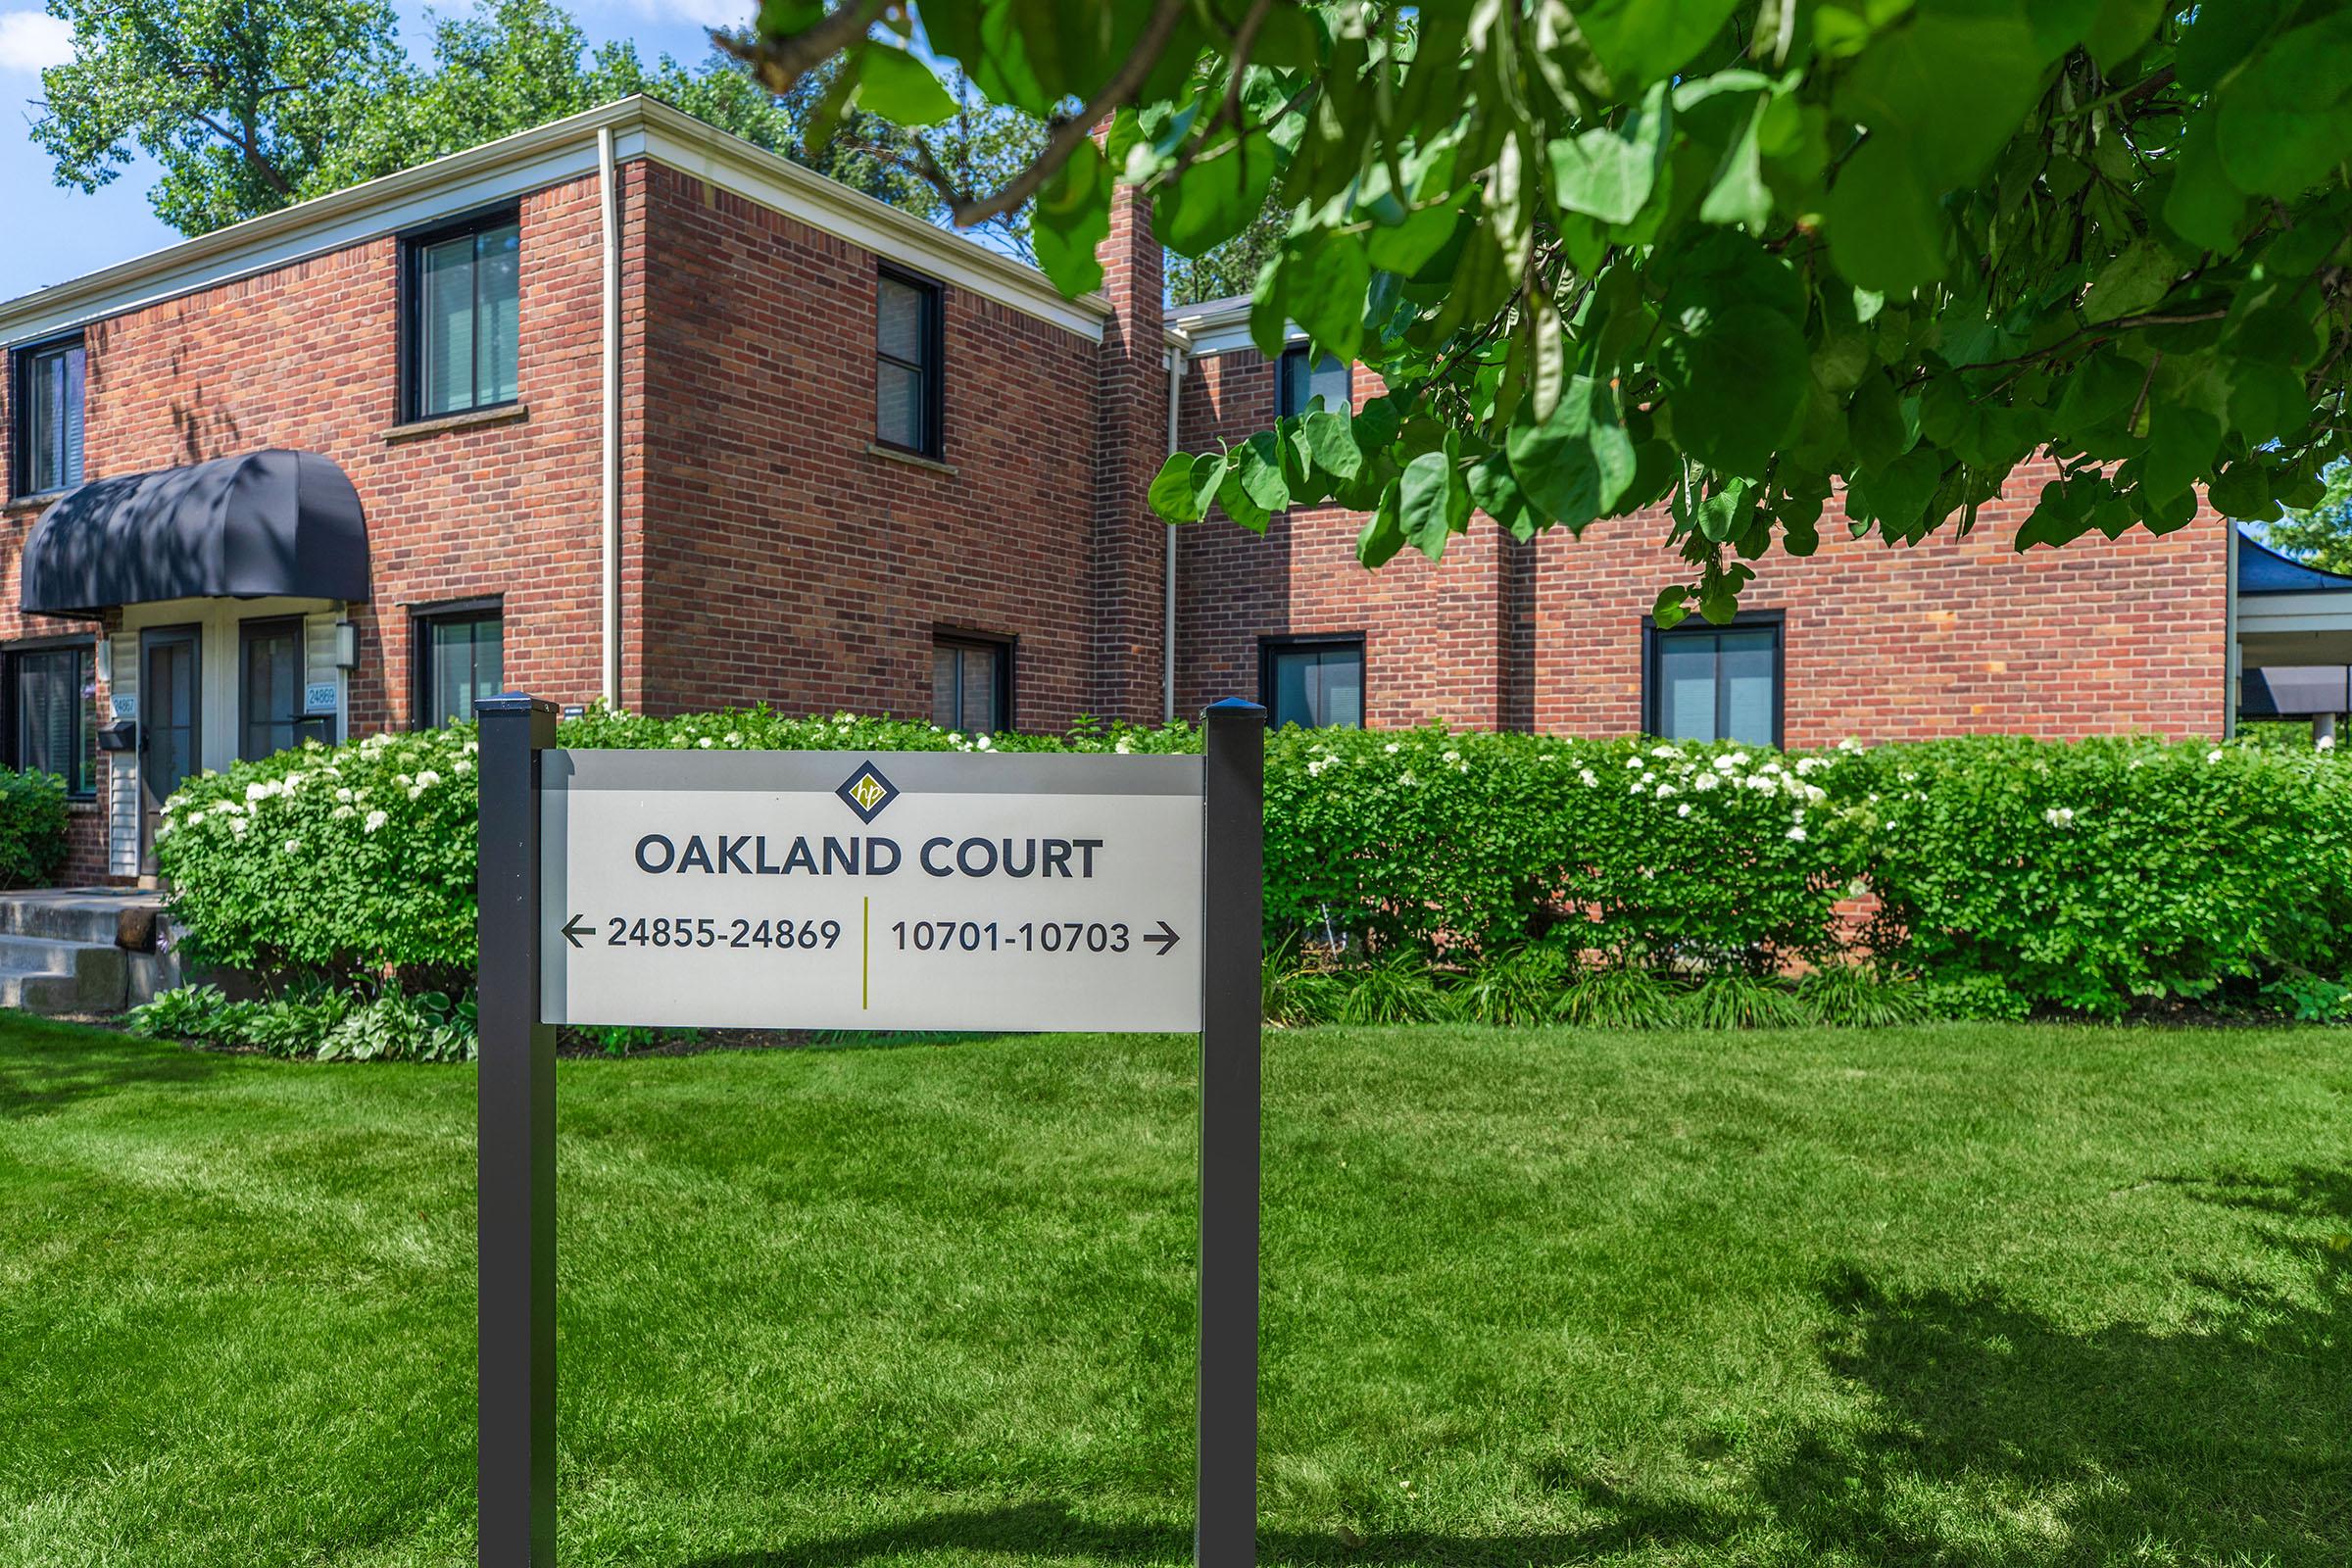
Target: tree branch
(780,63)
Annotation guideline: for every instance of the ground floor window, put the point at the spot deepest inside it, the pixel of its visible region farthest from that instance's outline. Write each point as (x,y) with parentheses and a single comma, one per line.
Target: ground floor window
(971,683)
(459,655)
(269,687)
(51,691)
(1316,682)
(1714,683)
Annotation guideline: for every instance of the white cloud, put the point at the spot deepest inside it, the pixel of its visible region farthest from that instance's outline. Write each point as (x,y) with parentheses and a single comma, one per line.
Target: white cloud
(32,39)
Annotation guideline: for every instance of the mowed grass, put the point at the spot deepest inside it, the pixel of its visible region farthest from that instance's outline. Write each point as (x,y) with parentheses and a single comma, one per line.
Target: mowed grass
(1952,1296)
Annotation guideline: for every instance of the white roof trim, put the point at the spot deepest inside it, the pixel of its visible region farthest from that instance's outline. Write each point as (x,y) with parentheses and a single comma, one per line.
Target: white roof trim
(528,161)
(1221,327)
(2317,610)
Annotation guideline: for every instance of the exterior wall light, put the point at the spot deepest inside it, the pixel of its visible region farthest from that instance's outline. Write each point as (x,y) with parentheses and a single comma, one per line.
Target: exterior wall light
(346,645)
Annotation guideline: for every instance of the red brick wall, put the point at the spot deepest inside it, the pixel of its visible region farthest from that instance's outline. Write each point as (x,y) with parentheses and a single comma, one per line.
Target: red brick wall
(1130,441)
(305,356)
(1436,649)
(788,563)
(1951,637)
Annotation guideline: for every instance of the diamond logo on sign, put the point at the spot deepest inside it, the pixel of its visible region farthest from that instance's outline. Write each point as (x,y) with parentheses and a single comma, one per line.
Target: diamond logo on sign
(867,792)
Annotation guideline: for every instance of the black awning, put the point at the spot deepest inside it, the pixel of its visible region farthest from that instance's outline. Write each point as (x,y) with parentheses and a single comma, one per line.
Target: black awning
(260,524)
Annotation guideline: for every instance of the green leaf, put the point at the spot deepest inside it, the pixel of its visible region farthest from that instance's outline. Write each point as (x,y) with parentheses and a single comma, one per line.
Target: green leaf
(1331,441)
(1739,194)
(1642,41)
(2266,401)
(1432,502)
(1235,496)
(2204,206)
(1608,173)
(1073,218)
(1325,282)
(1382,534)
(1216,197)
(1896,496)
(901,88)
(1259,471)
(1672,607)
(1735,386)
(1408,245)
(1576,466)
(2133,282)
(1172,495)
(1885,226)
(2121,27)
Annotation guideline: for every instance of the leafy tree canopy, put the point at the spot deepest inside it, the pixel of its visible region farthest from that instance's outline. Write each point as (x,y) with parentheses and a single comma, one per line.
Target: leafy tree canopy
(250,105)
(2321,532)
(1736,256)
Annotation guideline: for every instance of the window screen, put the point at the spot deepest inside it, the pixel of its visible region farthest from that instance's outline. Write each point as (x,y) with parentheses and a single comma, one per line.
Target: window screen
(466,346)
(907,364)
(1313,684)
(1716,685)
(52,691)
(49,396)
(460,656)
(1301,383)
(971,685)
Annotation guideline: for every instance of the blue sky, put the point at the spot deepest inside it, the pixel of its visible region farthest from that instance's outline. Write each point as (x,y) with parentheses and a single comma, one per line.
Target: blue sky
(55,233)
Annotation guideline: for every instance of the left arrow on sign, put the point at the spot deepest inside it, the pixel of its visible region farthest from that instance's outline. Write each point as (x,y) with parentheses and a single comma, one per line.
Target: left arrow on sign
(573,929)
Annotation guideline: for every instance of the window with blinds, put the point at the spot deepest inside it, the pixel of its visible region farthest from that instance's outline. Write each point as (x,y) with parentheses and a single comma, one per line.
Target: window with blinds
(908,386)
(459,655)
(1714,683)
(50,690)
(971,684)
(1301,379)
(48,399)
(463,305)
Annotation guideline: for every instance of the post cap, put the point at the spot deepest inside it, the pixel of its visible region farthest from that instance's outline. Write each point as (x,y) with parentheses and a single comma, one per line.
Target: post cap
(511,703)
(1234,708)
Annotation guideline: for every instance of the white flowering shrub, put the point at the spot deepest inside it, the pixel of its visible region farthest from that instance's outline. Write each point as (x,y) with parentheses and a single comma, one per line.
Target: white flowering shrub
(330,861)
(2080,876)
(2084,876)
(1464,844)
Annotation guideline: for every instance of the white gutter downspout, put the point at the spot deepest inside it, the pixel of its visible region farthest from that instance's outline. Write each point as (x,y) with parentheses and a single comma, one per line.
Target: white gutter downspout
(609,470)
(2230,655)
(1167,635)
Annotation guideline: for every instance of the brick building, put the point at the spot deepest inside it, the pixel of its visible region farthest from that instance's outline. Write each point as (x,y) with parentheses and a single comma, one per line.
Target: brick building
(623,407)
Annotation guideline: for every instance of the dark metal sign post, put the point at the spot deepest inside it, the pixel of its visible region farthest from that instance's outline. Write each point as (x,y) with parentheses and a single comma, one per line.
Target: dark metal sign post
(516,1119)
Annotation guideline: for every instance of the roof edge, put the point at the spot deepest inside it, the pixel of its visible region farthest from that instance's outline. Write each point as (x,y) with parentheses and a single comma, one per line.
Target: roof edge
(387,203)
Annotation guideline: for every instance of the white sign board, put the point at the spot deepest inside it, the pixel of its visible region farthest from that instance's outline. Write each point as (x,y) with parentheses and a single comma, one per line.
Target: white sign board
(896,890)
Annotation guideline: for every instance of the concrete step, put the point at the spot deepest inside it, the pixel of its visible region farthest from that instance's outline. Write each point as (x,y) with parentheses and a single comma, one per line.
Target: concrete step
(71,914)
(63,976)
(38,955)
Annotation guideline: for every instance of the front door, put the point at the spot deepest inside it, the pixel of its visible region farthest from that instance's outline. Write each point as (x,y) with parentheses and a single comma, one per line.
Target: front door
(170,737)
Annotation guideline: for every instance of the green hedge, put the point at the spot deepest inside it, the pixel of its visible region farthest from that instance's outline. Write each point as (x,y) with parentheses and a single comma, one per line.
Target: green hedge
(32,828)
(2074,876)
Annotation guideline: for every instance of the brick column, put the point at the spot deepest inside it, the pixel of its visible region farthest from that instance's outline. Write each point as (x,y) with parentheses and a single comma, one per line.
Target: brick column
(1129,542)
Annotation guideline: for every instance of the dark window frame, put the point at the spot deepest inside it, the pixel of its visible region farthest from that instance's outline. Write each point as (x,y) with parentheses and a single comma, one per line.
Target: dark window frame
(20,402)
(1272,644)
(1007,650)
(411,312)
(422,619)
(249,632)
(1654,636)
(1306,351)
(932,371)
(10,742)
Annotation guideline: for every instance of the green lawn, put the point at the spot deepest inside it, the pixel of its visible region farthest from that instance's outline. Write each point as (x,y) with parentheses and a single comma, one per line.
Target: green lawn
(1952,1296)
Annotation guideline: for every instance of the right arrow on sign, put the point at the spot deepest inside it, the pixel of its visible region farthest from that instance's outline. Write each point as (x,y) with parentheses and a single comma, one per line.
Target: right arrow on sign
(1166,936)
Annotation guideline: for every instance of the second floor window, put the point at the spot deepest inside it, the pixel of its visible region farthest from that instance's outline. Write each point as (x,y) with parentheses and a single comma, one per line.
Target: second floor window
(465,328)
(1301,379)
(49,386)
(907,364)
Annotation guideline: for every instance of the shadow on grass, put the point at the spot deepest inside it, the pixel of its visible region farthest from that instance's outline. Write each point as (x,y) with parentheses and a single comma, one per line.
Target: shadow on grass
(45,1066)
(2228,1440)
(1985,1432)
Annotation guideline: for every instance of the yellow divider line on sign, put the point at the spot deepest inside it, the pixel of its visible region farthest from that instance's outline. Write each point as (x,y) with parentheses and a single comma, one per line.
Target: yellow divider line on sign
(866,953)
